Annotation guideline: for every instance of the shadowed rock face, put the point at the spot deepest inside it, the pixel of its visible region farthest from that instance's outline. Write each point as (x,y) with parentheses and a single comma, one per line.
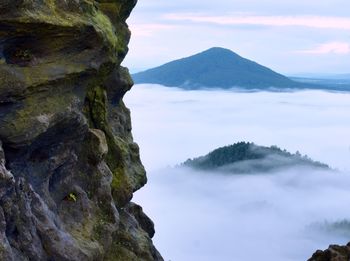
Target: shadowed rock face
(68,163)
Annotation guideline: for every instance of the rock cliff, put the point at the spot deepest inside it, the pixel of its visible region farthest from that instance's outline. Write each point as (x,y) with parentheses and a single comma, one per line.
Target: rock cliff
(68,163)
(333,253)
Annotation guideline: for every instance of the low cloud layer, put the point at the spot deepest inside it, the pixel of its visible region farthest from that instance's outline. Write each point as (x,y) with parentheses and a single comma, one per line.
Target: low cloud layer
(172,125)
(206,216)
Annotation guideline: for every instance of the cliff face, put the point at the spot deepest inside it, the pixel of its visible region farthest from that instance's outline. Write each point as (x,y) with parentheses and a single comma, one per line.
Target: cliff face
(68,163)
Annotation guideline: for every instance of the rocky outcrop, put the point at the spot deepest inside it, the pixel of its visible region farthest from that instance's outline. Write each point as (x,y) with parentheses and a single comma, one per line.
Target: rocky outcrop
(333,253)
(68,163)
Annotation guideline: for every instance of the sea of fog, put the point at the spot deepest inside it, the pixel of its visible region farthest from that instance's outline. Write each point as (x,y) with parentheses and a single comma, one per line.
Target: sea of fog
(206,216)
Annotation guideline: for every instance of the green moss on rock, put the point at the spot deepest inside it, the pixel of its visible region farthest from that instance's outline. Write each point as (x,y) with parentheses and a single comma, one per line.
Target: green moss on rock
(96,111)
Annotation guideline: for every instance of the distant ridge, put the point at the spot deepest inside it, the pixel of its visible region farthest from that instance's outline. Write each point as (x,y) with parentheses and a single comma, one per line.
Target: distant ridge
(216,67)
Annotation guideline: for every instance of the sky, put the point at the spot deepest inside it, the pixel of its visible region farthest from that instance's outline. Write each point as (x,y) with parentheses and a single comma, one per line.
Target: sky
(277,216)
(291,37)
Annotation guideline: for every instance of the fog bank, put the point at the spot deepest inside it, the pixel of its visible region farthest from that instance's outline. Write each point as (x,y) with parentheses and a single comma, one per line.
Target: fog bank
(205,216)
(172,125)
(245,218)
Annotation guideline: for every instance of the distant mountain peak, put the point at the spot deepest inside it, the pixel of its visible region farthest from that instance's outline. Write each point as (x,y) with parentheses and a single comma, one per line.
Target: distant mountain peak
(216,67)
(218,50)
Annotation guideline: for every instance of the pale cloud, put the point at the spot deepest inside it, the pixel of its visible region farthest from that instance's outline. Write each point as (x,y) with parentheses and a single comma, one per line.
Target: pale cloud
(192,123)
(320,22)
(329,48)
(149,29)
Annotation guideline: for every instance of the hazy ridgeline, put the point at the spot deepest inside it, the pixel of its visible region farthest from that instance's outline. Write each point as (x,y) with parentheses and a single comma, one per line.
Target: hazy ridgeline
(281,216)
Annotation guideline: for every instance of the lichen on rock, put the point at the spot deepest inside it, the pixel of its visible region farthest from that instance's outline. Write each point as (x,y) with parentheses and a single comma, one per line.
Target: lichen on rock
(68,162)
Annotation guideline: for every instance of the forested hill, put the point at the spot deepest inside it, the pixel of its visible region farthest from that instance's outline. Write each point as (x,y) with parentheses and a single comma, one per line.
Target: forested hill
(217,68)
(245,157)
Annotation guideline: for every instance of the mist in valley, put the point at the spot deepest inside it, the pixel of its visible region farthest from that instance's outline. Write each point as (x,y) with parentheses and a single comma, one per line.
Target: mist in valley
(284,215)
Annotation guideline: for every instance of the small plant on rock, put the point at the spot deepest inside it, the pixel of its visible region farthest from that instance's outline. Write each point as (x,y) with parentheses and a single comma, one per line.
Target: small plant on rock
(72,197)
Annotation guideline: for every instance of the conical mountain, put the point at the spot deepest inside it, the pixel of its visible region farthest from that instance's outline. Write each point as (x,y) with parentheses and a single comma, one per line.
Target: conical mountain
(216,67)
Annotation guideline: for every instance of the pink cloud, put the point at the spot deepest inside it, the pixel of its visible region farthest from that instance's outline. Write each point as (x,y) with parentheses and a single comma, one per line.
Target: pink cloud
(327,48)
(328,22)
